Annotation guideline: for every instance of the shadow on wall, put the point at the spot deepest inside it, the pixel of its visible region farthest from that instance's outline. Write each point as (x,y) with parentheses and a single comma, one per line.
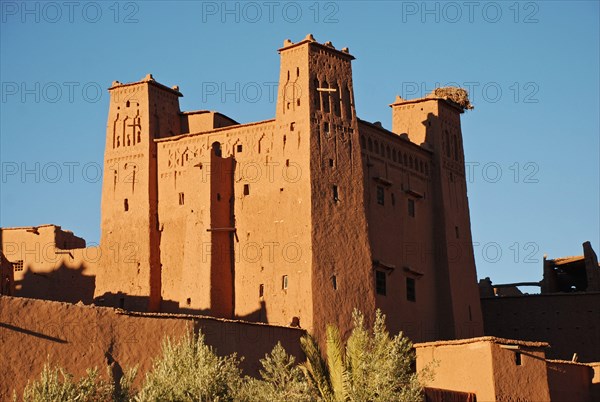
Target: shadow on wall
(62,284)
(140,304)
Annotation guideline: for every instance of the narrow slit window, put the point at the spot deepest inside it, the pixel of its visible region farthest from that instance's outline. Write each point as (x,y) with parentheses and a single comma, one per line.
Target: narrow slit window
(411,294)
(336,194)
(261,290)
(380,195)
(246,189)
(456,232)
(181,199)
(411,208)
(518,361)
(380,283)
(284,282)
(334,282)
(126,204)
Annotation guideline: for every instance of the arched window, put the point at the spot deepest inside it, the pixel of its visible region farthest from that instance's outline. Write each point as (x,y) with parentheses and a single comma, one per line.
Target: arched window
(216,146)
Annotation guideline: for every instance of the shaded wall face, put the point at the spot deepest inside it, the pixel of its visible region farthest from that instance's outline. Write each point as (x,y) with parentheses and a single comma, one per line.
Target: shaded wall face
(436,125)
(34,331)
(341,265)
(570,382)
(399,202)
(569,322)
(519,374)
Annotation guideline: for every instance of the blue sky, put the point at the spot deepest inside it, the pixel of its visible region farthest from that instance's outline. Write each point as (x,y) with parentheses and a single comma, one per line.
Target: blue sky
(532,142)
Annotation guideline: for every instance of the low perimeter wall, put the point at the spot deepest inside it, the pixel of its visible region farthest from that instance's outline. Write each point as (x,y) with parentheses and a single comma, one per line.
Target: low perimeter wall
(78,337)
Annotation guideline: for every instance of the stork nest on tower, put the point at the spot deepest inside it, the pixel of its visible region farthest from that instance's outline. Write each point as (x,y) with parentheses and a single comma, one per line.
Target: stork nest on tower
(460,96)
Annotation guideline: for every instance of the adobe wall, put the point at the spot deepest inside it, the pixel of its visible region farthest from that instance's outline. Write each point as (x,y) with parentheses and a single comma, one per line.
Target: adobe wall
(434,124)
(569,381)
(79,337)
(56,265)
(488,367)
(570,322)
(401,244)
(271,218)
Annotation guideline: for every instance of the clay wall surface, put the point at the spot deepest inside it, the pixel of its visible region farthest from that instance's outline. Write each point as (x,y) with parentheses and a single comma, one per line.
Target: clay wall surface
(570,381)
(271,218)
(80,337)
(570,322)
(341,258)
(488,367)
(401,243)
(520,374)
(465,368)
(46,262)
(138,113)
(434,124)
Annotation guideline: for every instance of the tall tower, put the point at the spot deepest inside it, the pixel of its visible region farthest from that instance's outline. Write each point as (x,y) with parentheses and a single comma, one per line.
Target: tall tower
(139,113)
(434,123)
(316,95)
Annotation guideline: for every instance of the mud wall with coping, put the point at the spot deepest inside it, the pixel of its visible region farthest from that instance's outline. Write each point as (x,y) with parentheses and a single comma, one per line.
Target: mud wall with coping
(569,322)
(78,337)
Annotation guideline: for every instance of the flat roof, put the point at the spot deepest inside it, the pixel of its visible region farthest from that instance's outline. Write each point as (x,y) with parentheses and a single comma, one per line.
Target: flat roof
(492,339)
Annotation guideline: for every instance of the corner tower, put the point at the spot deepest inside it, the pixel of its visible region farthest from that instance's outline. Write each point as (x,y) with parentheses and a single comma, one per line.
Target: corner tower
(139,113)
(433,122)
(316,95)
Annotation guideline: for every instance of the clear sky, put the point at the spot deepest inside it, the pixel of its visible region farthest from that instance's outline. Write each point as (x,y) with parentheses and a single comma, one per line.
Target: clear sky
(531,144)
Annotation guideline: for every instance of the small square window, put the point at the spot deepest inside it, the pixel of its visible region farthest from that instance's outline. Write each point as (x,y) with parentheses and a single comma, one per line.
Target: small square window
(18,265)
(411,208)
(239,148)
(246,189)
(380,283)
(411,294)
(181,199)
(284,282)
(380,195)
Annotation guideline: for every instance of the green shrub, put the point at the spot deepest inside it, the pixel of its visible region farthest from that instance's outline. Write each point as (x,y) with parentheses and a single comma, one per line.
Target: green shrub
(281,380)
(189,370)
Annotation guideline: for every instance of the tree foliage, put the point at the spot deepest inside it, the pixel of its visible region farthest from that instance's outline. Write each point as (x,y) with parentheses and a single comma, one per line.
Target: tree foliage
(371,366)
